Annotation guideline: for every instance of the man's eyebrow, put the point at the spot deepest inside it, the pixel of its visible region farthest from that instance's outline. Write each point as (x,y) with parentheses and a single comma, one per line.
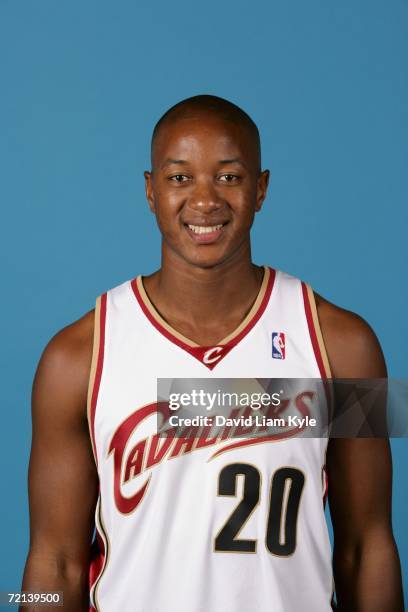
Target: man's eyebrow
(235,160)
(222,162)
(169,161)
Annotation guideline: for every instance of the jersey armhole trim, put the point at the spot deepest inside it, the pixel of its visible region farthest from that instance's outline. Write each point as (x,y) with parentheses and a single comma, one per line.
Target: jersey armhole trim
(97,569)
(315,331)
(96,367)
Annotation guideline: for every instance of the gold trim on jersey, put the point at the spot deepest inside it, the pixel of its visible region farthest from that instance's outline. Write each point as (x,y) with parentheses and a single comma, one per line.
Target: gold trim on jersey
(247,319)
(104,535)
(254,308)
(319,335)
(92,375)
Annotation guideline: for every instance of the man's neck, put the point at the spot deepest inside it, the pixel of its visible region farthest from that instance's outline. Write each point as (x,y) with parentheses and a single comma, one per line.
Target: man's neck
(204,304)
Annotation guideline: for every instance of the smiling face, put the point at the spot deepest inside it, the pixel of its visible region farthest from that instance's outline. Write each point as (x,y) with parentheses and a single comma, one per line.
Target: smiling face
(204,188)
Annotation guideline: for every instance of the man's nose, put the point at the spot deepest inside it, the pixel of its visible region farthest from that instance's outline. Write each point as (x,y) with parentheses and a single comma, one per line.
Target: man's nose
(204,198)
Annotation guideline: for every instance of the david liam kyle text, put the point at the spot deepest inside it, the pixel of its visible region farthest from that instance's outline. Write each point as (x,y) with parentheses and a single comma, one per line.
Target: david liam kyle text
(256,420)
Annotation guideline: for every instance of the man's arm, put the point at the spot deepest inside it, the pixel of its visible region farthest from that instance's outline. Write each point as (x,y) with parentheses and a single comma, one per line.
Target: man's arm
(365,558)
(62,472)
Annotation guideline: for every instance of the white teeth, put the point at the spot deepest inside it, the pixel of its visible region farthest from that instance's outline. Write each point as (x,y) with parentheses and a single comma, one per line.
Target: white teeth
(200,229)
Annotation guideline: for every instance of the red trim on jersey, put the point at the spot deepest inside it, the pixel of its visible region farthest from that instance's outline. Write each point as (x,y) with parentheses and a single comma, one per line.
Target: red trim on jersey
(260,311)
(154,321)
(97,559)
(199,351)
(99,367)
(326,486)
(312,331)
(322,369)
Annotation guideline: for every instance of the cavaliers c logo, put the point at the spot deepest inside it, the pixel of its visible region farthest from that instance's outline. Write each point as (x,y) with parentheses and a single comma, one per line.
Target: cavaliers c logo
(212,355)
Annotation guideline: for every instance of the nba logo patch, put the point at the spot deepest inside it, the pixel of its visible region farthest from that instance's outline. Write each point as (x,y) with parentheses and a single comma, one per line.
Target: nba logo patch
(278,345)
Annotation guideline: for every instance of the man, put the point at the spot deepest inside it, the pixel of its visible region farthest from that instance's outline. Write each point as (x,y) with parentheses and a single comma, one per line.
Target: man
(173,530)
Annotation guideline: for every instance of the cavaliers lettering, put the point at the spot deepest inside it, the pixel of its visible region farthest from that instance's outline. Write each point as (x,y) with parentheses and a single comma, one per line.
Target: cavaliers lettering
(173,442)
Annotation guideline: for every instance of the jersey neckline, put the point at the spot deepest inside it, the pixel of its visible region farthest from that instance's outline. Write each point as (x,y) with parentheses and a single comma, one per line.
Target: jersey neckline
(254,314)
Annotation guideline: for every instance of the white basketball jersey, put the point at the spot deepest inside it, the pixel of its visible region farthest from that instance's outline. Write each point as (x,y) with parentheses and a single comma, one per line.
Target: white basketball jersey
(201,524)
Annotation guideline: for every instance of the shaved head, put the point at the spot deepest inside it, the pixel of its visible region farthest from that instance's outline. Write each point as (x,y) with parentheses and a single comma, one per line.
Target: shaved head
(206,171)
(208,106)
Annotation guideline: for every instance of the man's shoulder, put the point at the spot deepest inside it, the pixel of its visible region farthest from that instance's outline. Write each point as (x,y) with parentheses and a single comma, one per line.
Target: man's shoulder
(342,323)
(64,367)
(352,346)
(73,340)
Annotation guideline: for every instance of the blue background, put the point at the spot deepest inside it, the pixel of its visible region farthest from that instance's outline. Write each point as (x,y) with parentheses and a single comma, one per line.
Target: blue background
(82,84)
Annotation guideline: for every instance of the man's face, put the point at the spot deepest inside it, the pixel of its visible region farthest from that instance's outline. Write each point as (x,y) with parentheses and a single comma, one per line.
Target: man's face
(204,188)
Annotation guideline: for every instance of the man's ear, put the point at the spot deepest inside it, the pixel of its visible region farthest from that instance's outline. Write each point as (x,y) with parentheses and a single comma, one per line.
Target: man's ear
(261,190)
(149,190)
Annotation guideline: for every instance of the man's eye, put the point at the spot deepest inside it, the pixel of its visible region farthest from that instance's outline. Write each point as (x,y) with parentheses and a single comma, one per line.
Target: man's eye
(229,178)
(179,178)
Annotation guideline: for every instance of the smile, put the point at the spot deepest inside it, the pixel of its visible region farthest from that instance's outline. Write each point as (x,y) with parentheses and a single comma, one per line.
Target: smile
(205,229)
(205,234)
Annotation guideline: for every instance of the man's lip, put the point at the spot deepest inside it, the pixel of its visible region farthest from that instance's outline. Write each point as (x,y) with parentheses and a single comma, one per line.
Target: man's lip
(212,224)
(205,238)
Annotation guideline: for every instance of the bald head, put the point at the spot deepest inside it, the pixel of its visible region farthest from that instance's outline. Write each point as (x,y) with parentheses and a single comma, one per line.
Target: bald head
(203,106)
